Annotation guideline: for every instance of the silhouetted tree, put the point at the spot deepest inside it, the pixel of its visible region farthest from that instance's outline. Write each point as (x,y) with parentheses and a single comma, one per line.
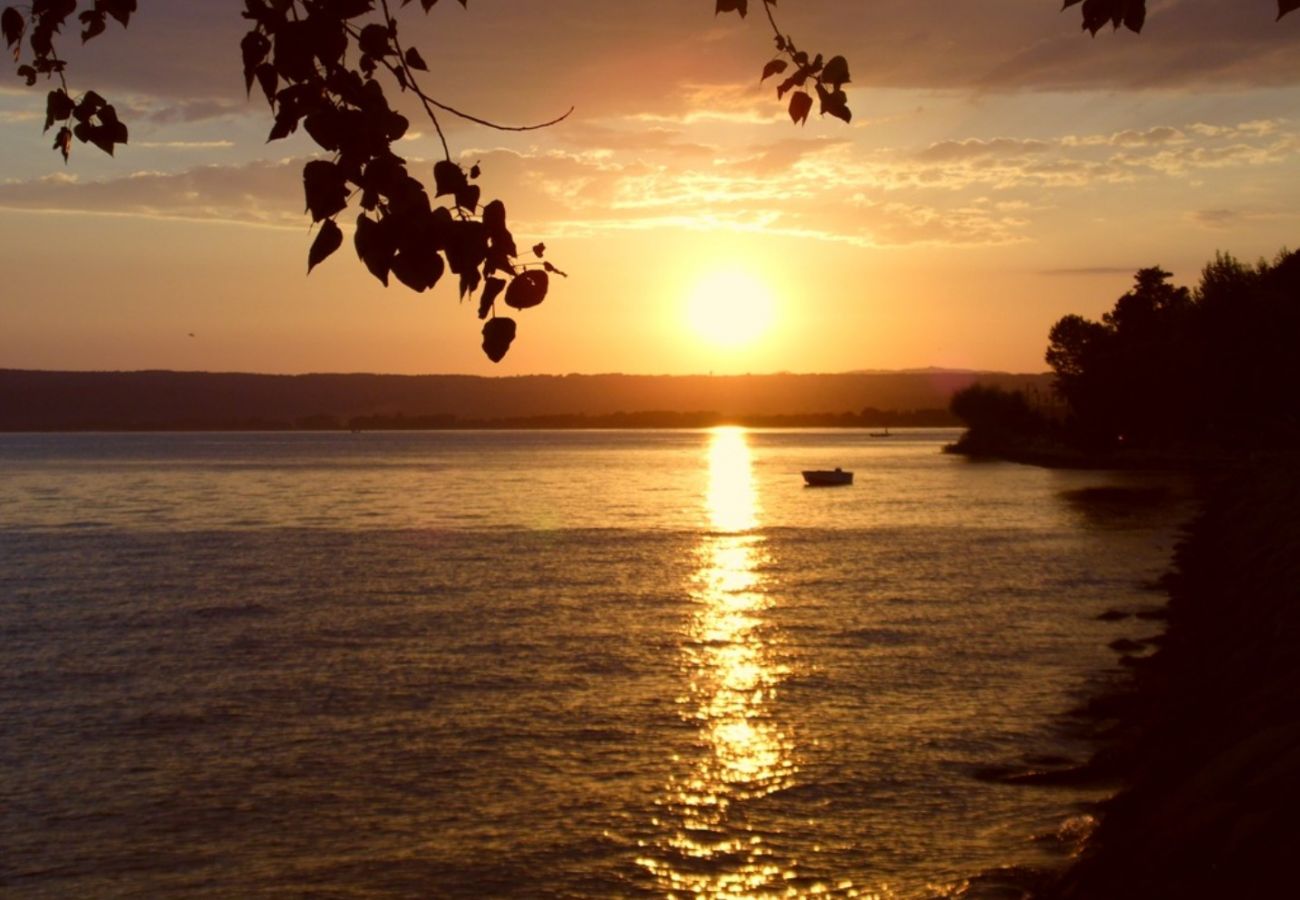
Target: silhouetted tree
(997,421)
(1171,366)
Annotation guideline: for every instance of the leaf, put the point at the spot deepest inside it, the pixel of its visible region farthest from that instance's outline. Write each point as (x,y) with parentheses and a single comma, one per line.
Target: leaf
(492,289)
(836,72)
(327,192)
(292,53)
(466,246)
(538,250)
(414,60)
(800,106)
(418,269)
(119,9)
(12,26)
(740,6)
(328,239)
(268,80)
(58,107)
(1286,6)
(63,142)
(835,103)
(498,335)
(469,282)
(448,178)
(374,41)
(93,24)
(774,67)
(528,289)
(494,218)
(468,196)
(350,9)
(254,48)
(375,246)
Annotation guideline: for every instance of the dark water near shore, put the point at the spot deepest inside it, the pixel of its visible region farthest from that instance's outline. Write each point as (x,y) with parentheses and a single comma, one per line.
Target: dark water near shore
(550,664)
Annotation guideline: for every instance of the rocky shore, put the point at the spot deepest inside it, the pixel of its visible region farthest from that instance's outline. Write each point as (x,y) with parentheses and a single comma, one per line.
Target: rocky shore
(1205,735)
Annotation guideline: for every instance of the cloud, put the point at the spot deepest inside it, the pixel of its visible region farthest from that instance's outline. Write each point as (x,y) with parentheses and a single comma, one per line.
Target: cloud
(953,151)
(1223,218)
(1090,270)
(262,193)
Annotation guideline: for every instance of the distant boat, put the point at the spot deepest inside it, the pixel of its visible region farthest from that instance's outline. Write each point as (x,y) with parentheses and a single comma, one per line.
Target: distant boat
(827,477)
(884,433)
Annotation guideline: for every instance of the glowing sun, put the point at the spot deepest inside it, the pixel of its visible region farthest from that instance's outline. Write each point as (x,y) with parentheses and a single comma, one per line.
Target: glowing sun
(730,308)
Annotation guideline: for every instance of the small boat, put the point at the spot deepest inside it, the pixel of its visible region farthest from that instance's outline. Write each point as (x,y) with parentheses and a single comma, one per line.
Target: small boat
(884,433)
(827,477)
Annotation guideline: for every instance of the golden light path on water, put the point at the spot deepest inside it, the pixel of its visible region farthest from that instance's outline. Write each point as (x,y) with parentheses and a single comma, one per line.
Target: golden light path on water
(710,848)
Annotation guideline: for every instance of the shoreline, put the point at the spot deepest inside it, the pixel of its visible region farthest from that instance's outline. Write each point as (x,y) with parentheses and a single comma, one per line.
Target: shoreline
(1201,736)
(1205,733)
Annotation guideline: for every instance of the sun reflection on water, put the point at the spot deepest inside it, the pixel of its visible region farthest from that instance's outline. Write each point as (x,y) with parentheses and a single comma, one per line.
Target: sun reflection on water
(712,844)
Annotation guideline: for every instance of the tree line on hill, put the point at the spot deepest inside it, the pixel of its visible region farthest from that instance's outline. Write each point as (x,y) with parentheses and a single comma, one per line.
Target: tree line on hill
(1167,370)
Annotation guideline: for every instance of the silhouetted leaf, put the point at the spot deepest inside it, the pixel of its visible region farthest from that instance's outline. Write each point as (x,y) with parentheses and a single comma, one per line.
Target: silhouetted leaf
(1286,6)
(328,239)
(800,106)
(418,269)
(466,246)
(414,60)
(774,67)
(268,80)
(63,142)
(118,9)
(498,335)
(292,52)
(12,25)
(325,128)
(375,246)
(254,48)
(538,250)
(327,193)
(329,40)
(469,282)
(58,107)
(740,6)
(468,196)
(550,268)
(374,41)
(836,72)
(527,289)
(492,289)
(494,219)
(349,9)
(834,103)
(448,178)
(92,24)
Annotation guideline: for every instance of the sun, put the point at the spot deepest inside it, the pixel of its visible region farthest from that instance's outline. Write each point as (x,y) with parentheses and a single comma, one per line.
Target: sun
(730,308)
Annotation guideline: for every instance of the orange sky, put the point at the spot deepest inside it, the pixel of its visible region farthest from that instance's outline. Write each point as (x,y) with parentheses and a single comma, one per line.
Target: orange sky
(1002,170)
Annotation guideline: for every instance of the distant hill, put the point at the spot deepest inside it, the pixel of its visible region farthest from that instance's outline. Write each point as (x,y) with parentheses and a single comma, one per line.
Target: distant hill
(52,401)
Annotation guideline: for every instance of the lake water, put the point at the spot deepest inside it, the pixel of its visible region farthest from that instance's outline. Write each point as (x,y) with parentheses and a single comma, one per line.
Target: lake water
(543,664)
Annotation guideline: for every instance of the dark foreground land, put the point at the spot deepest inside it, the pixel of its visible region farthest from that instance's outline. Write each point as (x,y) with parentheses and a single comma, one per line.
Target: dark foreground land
(1204,737)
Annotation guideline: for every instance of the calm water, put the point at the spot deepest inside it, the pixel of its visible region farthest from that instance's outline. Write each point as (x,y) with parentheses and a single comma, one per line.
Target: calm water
(556,664)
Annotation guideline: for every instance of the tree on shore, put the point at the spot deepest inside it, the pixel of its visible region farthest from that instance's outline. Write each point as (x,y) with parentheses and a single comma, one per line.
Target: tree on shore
(1172,366)
(322,66)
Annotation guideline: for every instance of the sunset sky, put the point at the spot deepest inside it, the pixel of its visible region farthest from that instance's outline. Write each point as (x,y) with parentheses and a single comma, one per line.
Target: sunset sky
(1002,170)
